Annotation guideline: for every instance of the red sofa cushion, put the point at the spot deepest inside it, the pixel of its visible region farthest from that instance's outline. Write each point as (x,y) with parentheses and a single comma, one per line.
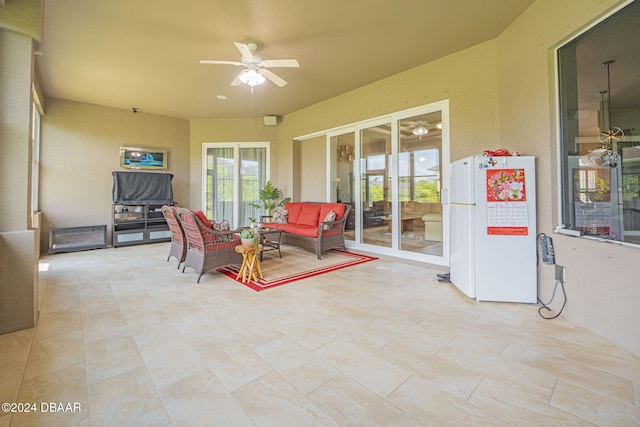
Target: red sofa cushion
(325,208)
(309,214)
(294,211)
(288,228)
(306,230)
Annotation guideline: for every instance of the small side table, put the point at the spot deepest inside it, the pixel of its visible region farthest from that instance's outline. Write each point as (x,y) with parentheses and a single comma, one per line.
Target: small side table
(270,244)
(250,268)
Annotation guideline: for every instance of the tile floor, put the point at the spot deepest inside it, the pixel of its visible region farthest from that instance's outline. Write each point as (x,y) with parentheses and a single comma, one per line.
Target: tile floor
(133,342)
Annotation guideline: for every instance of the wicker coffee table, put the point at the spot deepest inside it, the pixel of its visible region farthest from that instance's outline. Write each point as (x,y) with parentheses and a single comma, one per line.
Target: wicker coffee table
(270,240)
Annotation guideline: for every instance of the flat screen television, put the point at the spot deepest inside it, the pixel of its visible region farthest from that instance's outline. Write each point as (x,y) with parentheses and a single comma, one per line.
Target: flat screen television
(140,188)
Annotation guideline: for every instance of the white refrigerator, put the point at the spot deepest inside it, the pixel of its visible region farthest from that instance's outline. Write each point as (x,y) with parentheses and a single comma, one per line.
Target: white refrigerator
(492,204)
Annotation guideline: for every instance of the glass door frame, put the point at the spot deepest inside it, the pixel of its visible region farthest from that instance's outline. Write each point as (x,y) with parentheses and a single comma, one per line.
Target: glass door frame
(236,171)
(394,119)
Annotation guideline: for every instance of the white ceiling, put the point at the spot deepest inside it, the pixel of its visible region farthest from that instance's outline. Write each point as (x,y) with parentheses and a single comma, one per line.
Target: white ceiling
(145,53)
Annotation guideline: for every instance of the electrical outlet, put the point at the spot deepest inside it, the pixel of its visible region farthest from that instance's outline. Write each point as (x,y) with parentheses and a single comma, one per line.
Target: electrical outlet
(560,273)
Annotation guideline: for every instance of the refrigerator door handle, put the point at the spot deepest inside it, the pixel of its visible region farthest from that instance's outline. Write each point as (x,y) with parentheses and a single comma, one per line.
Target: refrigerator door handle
(444,196)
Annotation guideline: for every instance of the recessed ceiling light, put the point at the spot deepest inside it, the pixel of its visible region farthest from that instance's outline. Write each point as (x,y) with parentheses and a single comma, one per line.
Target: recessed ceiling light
(221,97)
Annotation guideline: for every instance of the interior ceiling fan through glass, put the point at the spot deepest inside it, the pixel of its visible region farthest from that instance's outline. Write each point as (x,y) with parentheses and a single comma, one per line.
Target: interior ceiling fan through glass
(613,133)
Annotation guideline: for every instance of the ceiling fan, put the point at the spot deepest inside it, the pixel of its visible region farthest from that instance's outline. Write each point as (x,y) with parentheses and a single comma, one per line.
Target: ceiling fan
(256,69)
(419,128)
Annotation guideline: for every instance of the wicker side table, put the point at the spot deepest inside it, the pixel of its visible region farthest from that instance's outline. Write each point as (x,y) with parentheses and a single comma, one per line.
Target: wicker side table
(270,244)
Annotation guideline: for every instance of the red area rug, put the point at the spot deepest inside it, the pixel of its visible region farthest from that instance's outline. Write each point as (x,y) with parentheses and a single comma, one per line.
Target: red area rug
(294,265)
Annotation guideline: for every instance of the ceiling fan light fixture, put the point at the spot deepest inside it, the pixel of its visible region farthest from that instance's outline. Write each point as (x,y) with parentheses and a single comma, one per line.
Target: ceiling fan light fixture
(420,130)
(251,77)
(256,70)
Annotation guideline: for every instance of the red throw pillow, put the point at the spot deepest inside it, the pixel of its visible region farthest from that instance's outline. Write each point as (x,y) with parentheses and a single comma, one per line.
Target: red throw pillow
(203,218)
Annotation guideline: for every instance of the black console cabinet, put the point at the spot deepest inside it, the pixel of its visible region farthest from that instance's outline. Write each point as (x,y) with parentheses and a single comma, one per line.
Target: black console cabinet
(138,224)
(72,239)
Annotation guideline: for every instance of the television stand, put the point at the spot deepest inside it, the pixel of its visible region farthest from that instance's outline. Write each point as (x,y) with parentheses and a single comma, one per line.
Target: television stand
(138,224)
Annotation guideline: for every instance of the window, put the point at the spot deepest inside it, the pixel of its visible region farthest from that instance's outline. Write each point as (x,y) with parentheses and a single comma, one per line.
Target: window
(35,157)
(233,175)
(374,167)
(404,176)
(426,181)
(375,188)
(599,94)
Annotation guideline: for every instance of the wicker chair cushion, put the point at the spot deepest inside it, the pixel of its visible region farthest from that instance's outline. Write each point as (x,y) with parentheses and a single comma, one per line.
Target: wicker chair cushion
(213,239)
(216,246)
(280,216)
(203,218)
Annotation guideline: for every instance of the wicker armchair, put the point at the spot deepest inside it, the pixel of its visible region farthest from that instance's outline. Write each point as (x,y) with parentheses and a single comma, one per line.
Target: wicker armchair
(178,240)
(207,249)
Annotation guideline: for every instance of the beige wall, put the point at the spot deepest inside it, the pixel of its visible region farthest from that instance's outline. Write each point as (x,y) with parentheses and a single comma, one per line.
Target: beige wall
(601,279)
(467,78)
(227,130)
(313,161)
(15,92)
(18,242)
(80,149)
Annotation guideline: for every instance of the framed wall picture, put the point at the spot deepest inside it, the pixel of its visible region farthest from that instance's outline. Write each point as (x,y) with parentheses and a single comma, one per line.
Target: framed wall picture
(142,158)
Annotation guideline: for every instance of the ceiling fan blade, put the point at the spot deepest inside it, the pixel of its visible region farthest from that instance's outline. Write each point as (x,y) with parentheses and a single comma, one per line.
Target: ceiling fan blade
(244,50)
(280,63)
(237,81)
(208,61)
(271,76)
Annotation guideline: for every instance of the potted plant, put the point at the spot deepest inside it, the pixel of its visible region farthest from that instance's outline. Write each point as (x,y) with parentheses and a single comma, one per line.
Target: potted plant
(249,238)
(269,196)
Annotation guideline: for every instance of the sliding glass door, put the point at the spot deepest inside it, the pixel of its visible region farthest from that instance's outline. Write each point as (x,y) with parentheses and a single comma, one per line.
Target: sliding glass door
(343,161)
(233,175)
(393,171)
(420,183)
(375,186)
